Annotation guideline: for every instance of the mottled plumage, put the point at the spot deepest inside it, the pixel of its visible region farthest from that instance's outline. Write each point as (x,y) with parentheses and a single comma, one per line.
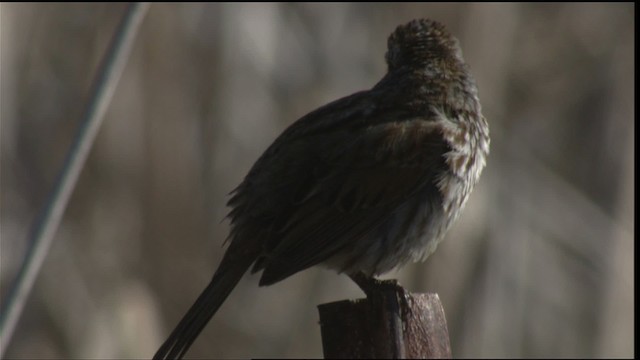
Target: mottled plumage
(361,185)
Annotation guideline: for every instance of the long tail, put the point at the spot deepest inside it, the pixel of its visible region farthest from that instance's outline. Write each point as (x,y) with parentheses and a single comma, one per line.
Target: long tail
(224,280)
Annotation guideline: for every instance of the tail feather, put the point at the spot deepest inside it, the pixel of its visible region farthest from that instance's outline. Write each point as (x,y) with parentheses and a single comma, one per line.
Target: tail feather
(224,280)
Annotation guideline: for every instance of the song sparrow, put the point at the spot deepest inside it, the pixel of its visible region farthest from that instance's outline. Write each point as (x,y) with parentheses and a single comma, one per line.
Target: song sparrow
(361,185)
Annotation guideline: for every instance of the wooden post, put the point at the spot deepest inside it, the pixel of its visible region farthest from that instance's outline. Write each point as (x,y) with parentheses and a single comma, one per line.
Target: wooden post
(389,323)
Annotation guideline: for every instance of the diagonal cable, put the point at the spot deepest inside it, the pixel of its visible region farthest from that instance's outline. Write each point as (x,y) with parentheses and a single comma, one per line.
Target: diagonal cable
(49,217)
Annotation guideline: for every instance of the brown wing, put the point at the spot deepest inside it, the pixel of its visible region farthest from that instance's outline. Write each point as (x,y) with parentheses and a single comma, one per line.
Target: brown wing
(315,193)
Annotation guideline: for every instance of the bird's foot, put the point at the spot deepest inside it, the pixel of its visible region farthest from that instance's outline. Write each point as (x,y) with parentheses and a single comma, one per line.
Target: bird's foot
(372,286)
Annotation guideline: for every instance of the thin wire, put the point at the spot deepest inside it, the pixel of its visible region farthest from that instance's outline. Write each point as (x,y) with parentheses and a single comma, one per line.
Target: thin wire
(46,224)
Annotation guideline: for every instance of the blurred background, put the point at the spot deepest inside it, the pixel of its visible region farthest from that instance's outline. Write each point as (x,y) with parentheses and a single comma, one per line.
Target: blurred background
(540,263)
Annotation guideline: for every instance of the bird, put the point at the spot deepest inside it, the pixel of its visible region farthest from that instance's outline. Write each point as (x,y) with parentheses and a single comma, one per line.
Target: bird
(361,185)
